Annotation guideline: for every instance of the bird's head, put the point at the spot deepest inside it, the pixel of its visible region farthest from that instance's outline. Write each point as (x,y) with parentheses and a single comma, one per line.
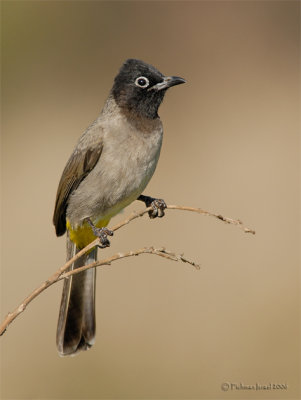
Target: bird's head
(139,88)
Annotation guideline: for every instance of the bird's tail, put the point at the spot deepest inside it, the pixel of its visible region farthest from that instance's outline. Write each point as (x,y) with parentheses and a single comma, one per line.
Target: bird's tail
(76,324)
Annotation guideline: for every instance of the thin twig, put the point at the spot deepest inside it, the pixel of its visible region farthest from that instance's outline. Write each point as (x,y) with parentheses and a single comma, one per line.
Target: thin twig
(162,252)
(227,220)
(139,214)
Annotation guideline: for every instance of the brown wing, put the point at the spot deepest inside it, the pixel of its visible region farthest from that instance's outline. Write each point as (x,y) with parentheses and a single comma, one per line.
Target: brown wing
(78,167)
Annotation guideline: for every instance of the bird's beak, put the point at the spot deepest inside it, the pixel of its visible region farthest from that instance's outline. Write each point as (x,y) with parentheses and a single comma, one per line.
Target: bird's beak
(168,82)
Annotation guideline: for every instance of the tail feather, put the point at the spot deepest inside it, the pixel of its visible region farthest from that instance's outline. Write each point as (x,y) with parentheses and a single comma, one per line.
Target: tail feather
(76,324)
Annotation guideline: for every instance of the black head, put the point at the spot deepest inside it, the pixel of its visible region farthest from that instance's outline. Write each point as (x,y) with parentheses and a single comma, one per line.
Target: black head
(139,88)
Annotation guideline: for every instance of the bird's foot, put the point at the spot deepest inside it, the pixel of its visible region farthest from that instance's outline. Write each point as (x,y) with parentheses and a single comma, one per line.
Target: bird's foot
(101,233)
(158,206)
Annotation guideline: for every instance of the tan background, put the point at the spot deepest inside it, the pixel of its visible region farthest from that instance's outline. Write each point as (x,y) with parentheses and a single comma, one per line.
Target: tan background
(165,331)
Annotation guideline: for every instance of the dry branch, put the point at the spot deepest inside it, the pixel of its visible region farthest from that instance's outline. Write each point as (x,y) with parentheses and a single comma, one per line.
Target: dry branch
(162,252)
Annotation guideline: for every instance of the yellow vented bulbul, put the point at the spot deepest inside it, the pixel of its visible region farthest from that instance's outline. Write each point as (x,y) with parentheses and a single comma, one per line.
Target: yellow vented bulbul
(109,168)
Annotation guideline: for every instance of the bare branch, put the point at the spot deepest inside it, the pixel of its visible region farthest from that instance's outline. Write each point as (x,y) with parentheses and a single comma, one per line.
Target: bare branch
(227,220)
(141,213)
(162,252)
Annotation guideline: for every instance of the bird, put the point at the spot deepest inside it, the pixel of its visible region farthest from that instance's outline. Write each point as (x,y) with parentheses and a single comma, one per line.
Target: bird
(109,168)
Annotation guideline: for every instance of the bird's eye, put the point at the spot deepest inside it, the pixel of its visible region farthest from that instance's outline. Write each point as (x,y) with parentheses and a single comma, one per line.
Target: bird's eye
(142,82)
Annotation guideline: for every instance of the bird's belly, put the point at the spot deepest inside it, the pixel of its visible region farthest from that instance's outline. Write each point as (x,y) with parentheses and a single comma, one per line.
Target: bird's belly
(123,184)
(117,180)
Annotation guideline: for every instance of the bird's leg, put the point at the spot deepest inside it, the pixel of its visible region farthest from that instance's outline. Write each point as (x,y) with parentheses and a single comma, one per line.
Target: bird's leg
(101,233)
(158,206)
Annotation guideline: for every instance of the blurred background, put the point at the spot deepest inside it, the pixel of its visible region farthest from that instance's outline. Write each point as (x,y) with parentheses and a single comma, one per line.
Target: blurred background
(231,146)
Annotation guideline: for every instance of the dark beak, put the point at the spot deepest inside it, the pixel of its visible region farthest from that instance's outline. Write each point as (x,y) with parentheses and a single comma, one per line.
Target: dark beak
(168,82)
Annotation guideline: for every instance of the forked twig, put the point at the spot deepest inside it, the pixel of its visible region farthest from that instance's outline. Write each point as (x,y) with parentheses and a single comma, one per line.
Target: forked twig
(162,252)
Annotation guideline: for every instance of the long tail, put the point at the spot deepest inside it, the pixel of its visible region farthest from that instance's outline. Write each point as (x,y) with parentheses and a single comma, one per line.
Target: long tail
(76,324)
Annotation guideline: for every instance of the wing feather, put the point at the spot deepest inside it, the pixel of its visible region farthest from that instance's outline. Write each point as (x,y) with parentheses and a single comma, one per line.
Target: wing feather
(79,165)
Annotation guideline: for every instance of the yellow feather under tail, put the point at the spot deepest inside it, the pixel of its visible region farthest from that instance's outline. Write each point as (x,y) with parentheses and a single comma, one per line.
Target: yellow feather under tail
(83,234)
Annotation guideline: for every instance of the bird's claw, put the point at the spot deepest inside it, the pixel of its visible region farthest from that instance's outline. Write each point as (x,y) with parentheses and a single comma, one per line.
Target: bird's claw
(102,234)
(158,207)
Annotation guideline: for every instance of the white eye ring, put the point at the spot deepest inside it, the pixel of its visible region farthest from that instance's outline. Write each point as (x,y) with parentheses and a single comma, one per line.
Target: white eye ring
(144,82)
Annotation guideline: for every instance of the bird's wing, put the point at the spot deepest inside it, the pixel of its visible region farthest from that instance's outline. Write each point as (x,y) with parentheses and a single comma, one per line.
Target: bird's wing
(81,162)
